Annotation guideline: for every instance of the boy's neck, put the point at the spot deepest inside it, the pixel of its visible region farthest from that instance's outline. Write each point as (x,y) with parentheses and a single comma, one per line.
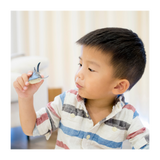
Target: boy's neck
(100,108)
(100,104)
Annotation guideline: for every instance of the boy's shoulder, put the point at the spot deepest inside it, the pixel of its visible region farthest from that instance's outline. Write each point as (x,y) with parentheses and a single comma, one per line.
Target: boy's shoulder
(127,113)
(124,111)
(71,97)
(130,108)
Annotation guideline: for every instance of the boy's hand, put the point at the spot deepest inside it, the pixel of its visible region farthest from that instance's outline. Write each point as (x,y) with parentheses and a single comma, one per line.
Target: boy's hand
(23,88)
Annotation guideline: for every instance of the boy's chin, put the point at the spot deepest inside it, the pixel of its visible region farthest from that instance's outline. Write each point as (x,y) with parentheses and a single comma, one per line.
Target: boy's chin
(83,95)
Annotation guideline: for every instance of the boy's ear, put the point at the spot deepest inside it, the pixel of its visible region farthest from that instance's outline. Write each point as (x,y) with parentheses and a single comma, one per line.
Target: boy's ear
(121,87)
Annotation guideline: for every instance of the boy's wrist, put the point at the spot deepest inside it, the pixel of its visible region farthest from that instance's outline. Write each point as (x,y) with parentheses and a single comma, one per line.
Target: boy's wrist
(30,98)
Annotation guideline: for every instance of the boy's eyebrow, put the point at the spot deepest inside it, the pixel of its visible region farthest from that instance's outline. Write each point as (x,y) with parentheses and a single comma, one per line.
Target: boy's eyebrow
(92,62)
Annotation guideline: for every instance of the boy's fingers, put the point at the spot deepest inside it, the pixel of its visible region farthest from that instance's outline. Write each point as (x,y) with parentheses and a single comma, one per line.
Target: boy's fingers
(25,88)
(17,85)
(20,82)
(27,83)
(25,79)
(29,73)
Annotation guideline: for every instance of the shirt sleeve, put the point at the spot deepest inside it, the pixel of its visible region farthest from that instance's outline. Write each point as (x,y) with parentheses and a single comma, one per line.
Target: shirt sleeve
(48,118)
(137,134)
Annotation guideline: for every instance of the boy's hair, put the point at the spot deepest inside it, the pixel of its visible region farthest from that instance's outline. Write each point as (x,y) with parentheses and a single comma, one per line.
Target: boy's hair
(126,49)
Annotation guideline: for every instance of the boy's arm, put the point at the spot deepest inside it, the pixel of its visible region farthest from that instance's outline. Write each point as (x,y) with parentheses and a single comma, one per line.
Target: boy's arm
(147,147)
(137,134)
(27,115)
(25,93)
(48,118)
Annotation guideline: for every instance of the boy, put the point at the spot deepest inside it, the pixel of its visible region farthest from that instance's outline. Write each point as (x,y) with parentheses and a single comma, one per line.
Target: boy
(95,115)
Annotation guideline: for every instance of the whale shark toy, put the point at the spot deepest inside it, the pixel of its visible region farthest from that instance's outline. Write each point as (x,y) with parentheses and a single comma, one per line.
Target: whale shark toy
(36,77)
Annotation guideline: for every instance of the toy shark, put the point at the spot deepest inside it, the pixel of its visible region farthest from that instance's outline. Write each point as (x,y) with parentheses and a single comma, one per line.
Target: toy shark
(36,77)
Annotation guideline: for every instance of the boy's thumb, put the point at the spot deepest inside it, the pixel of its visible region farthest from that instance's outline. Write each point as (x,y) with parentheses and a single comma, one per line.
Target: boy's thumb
(39,83)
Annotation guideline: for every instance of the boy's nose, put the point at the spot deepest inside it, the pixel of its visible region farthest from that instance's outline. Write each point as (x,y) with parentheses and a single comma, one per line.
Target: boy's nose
(80,74)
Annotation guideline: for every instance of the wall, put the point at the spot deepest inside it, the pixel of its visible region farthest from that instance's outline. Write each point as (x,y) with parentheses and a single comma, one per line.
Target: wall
(53,34)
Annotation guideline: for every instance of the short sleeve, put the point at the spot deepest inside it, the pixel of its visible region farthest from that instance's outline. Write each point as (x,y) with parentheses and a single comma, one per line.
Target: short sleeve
(48,118)
(137,134)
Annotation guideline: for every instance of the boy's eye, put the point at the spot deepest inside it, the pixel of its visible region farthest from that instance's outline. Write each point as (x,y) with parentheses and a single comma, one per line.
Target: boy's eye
(80,64)
(91,70)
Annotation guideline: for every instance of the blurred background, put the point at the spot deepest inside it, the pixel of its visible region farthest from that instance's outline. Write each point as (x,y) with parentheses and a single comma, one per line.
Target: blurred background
(49,37)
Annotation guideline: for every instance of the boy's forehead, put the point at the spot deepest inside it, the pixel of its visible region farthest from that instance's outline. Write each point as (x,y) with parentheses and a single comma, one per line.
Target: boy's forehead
(95,54)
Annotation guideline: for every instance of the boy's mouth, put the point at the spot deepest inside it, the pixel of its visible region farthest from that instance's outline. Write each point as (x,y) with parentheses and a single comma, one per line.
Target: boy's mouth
(78,86)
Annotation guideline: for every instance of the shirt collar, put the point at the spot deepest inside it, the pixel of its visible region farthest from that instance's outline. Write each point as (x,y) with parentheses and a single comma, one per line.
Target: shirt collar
(119,101)
(117,107)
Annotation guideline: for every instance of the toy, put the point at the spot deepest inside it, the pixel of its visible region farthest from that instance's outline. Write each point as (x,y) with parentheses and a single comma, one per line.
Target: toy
(36,77)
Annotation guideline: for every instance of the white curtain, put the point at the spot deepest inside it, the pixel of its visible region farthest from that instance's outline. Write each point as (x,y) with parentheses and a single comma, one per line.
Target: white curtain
(53,34)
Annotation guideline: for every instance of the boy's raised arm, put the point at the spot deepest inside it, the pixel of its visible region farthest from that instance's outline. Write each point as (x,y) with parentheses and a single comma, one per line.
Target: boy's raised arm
(27,115)
(25,93)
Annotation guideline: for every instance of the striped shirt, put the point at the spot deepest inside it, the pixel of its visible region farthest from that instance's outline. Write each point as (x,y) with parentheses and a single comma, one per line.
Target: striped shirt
(76,130)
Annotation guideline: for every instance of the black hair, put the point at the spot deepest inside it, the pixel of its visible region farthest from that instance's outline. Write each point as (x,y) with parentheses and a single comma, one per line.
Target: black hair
(126,49)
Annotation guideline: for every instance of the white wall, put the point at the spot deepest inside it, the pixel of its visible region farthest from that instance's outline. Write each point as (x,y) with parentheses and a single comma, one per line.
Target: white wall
(53,34)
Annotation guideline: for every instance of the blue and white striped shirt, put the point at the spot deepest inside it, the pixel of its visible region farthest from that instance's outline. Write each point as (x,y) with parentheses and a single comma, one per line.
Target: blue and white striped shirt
(76,130)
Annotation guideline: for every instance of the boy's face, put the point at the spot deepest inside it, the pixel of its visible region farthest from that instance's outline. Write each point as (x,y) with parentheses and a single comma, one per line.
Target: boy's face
(94,77)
